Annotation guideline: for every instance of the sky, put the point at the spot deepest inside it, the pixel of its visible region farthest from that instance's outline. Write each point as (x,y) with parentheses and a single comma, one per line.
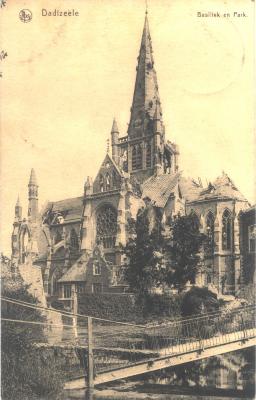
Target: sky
(66,78)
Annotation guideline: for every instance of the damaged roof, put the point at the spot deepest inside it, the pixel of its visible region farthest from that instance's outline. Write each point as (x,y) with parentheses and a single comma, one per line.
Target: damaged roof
(222,188)
(159,188)
(70,209)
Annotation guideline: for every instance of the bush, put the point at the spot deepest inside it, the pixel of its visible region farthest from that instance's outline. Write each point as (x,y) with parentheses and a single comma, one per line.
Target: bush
(25,374)
(199,300)
(158,305)
(118,307)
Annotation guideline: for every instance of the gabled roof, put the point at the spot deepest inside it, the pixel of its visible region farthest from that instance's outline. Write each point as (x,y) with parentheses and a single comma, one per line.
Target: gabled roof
(159,188)
(77,273)
(70,209)
(189,188)
(222,188)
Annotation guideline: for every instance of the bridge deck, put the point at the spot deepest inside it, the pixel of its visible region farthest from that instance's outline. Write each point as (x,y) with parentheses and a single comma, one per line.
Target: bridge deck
(176,355)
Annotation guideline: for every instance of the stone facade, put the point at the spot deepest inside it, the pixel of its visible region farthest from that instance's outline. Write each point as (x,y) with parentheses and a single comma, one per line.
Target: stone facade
(142,169)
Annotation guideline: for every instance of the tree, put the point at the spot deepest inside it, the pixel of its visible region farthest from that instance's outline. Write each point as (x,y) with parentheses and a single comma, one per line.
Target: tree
(182,250)
(145,269)
(25,372)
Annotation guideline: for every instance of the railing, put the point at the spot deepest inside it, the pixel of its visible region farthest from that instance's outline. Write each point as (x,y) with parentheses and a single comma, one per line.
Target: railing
(107,345)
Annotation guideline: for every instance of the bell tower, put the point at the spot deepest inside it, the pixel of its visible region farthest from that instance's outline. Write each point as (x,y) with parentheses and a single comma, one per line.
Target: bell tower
(146,137)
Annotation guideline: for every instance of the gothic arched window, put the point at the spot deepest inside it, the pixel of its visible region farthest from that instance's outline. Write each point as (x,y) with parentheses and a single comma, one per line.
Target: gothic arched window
(114,179)
(139,157)
(106,226)
(107,179)
(210,230)
(148,155)
(101,179)
(74,239)
(226,230)
(134,158)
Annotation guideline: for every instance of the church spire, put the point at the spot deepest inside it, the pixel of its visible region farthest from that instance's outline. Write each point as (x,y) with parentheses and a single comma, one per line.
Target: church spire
(146,94)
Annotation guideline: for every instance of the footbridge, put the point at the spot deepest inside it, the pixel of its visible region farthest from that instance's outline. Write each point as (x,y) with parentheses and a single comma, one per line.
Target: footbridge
(117,351)
(110,350)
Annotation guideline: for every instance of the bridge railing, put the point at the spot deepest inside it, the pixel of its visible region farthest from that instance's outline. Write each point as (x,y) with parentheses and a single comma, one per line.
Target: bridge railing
(106,345)
(119,345)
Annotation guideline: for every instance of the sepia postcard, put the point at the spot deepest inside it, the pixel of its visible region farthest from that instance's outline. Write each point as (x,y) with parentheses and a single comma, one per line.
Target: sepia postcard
(128,213)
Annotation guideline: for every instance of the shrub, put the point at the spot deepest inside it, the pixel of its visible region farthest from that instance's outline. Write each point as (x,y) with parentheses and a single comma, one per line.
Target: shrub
(25,374)
(199,300)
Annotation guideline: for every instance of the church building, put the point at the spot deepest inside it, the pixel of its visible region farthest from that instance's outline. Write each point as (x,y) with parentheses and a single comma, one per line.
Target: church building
(78,242)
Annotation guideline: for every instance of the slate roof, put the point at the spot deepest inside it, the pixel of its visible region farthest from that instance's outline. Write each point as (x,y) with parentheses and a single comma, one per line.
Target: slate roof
(77,273)
(159,188)
(222,188)
(72,209)
(189,188)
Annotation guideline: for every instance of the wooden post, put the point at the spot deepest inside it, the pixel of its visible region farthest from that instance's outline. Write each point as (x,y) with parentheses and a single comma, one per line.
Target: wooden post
(90,377)
(74,307)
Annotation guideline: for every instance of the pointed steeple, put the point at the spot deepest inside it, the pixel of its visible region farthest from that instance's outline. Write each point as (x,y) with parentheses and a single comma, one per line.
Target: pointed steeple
(146,94)
(114,127)
(32,180)
(18,201)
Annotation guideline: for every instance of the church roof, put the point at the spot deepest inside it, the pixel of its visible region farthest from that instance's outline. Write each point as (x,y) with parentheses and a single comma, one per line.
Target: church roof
(71,209)
(159,188)
(222,188)
(189,188)
(77,273)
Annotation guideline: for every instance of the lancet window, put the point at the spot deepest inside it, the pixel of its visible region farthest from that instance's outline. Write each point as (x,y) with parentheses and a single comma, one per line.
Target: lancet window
(210,230)
(106,226)
(148,155)
(226,230)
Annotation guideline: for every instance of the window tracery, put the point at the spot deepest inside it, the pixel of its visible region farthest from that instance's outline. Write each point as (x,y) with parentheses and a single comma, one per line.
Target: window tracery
(101,183)
(210,230)
(137,157)
(107,178)
(106,226)
(226,230)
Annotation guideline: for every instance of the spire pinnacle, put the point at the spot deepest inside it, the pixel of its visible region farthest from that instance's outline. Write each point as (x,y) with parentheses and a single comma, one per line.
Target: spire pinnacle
(114,127)
(18,201)
(33,180)
(146,93)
